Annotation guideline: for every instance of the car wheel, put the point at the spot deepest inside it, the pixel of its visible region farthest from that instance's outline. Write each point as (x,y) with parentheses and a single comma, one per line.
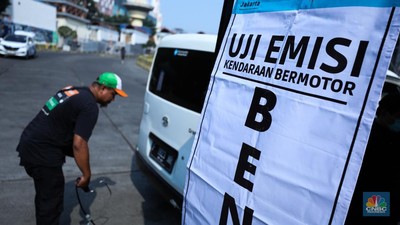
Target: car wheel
(28,54)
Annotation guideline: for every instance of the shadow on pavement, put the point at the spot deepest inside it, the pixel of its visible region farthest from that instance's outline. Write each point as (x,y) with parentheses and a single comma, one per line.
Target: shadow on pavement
(156,208)
(71,204)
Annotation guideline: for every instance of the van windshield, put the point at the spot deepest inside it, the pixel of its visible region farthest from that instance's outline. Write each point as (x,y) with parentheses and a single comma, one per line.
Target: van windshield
(181,76)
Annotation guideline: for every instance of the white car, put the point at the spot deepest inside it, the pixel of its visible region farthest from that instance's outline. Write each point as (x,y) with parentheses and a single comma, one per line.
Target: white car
(20,43)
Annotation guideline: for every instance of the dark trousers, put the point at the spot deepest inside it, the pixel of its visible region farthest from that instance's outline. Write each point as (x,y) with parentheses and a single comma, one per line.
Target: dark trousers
(49,187)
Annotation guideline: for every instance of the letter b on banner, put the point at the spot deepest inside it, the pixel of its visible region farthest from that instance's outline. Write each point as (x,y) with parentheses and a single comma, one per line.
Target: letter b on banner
(262,109)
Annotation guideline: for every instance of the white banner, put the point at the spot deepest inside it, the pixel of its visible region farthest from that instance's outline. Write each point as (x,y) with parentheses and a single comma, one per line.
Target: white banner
(288,111)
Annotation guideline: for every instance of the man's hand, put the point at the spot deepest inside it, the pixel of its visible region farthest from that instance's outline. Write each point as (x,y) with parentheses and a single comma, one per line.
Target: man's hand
(81,155)
(83,183)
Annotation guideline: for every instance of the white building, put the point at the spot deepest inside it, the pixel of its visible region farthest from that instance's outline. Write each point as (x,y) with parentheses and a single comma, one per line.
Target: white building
(98,33)
(133,37)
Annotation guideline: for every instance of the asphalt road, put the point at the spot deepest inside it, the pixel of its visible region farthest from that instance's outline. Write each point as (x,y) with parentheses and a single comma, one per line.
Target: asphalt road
(123,194)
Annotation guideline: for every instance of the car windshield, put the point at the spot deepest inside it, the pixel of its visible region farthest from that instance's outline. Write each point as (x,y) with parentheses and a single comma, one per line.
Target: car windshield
(15,38)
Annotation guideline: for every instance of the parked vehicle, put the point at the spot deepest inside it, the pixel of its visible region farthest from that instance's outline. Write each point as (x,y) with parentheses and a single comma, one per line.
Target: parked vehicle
(173,101)
(20,43)
(392,83)
(174,97)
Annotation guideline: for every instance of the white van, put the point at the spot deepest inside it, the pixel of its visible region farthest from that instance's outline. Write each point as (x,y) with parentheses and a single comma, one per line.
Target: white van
(173,101)
(174,98)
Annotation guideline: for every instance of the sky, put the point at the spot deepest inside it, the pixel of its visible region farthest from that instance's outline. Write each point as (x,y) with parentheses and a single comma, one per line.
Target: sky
(192,15)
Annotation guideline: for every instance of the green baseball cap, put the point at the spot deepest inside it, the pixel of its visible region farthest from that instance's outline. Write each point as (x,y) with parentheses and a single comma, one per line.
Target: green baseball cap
(112,80)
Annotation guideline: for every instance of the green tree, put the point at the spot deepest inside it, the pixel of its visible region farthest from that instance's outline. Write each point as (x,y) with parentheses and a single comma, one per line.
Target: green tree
(115,21)
(3,5)
(66,32)
(149,22)
(93,12)
(150,43)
